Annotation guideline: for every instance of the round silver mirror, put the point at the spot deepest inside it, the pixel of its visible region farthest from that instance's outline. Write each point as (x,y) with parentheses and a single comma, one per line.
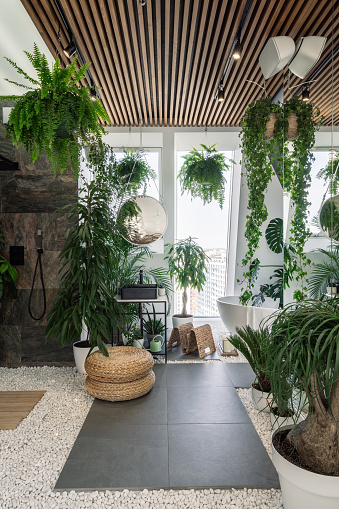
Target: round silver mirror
(329,218)
(142,220)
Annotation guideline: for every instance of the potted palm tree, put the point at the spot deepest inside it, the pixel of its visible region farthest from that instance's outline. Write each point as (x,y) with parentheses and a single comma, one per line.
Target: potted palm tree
(55,115)
(187,263)
(304,352)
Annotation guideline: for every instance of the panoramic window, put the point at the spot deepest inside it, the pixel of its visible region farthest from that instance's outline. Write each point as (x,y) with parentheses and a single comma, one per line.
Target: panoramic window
(209,226)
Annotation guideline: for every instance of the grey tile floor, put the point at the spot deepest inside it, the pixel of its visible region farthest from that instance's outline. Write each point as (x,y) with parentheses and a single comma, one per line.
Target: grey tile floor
(190,431)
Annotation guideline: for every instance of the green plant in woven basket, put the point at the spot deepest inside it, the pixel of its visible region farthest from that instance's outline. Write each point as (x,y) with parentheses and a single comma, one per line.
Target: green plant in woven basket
(203,174)
(56,114)
(134,170)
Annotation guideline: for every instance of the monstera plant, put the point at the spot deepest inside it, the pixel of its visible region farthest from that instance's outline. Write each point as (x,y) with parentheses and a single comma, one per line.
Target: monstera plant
(56,114)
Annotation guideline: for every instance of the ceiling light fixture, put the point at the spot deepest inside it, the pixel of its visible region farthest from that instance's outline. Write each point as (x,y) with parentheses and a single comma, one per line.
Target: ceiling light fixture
(70,50)
(305,95)
(93,93)
(220,94)
(237,51)
(142,3)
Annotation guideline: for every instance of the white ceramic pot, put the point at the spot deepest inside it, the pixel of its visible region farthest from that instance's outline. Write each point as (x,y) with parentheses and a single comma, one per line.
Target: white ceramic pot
(180,320)
(261,400)
(161,292)
(139,343)
(279,422)
(80,353)
(301,488)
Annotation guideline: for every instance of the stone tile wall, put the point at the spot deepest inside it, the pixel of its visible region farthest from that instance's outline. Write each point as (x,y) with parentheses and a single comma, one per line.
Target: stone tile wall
(29,200)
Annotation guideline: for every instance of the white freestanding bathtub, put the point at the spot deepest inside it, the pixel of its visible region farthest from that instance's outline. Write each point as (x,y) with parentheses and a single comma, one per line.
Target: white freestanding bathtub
(234,314)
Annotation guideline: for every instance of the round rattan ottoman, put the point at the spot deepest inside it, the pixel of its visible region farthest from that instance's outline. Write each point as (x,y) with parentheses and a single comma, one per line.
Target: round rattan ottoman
(125,374)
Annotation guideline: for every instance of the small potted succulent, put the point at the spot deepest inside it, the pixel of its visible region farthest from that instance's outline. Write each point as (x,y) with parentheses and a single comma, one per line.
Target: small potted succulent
(187,264)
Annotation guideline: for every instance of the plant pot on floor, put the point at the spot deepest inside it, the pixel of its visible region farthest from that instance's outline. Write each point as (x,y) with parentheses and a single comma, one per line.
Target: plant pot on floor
(302,488)
(180,320)
(80,352)
(278,422)
(261,400)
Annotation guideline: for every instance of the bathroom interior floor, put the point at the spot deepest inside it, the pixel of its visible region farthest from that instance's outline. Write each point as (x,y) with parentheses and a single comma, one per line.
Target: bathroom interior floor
(190,431)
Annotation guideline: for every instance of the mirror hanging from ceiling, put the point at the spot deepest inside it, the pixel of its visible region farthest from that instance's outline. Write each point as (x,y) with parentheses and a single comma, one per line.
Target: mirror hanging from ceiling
(142,220)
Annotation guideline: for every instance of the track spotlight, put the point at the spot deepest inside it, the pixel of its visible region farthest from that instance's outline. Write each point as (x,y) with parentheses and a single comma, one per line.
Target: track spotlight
(237,51)
(142,3)
(305,95)
(220,94)
(70,50)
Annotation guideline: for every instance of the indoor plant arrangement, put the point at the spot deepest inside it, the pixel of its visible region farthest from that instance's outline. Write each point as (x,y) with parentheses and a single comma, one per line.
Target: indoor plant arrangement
(153,326)
(203,174)
(304,352)
(324,273)
(330,173)
(187,263)
(55,115)
(292,167)
(134,337)
(134,170)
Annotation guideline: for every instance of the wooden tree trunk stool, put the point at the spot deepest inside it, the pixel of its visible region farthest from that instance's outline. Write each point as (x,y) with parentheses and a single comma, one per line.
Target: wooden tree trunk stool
(179,335)
(201,339)
(126,374)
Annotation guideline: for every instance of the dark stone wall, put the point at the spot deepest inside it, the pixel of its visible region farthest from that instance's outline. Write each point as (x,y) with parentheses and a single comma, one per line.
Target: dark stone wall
(29,200)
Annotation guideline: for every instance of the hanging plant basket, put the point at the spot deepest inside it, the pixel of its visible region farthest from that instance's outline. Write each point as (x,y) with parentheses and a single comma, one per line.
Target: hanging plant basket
(134,170)
(202,174)
(292,132)
(270,124)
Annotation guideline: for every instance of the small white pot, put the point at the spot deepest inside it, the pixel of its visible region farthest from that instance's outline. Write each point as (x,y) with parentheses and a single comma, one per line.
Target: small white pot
(279,422)
(301,488)
(80,354)
(180,320)
(139,343)
(161,292)
(261,400)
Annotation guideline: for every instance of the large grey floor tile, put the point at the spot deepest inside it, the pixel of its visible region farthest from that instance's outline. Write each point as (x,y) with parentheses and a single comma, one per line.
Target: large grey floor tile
(160,375)
(240,373)
(205,405)
(197,375)
(218,456)
(134,457)
(175,354)
(105,415)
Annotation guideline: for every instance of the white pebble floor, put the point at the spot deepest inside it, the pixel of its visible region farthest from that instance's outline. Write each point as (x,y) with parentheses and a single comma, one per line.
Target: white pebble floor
(32,455)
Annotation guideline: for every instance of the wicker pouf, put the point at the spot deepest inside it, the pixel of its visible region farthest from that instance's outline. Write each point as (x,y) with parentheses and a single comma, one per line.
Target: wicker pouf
(121,391)
(125,374)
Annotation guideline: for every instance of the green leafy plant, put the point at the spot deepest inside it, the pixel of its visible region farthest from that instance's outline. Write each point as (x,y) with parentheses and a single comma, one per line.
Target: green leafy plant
(252,343)
(203,174)
(134,170)
(56,103)
(134,334)
(292,167)
(304,351)
(8,274)
(153,325)
(325,272)
(330,173)
(329,218)
(187,263)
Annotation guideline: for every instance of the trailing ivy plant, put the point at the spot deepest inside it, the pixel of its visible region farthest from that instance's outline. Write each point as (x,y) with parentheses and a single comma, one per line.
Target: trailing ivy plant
(55,115)
(203,174)
(292,168)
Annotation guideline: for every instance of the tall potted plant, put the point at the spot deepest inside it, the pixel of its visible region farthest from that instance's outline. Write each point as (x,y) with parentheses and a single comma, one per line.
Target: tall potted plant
(304,350)
(187,263)
(56,114)
(203,174)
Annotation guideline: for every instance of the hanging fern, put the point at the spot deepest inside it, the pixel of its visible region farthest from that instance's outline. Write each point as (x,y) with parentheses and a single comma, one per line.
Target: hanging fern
(203,174)
(55,99)
(134,170)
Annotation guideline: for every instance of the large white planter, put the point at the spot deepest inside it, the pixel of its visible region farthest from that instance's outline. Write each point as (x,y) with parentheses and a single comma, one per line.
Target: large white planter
(80,354)
(303,489)
(180,320)
(279,422)
(261,400)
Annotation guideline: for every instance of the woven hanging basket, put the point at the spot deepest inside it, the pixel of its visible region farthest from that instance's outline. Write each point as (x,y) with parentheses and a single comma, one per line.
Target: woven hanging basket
(270,125)
(292,133)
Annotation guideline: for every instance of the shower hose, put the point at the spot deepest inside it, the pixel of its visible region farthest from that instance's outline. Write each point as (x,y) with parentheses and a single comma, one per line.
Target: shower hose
(38,263)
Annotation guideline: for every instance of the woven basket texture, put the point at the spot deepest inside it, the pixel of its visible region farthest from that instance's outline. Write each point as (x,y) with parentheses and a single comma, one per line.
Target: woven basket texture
(201,339)
(270,125)
(292,133)
(122,391)
(179,335)
(124,364)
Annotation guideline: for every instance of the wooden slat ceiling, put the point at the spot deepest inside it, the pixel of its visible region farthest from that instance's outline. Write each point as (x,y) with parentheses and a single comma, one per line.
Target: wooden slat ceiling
(161,64)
